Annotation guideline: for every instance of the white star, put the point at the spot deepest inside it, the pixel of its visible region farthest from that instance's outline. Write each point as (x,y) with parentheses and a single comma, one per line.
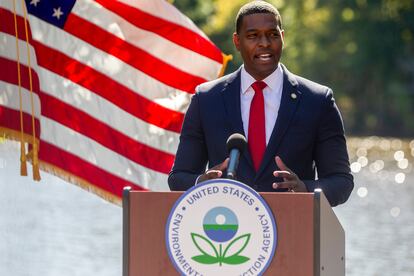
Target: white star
(34,2)
(57,13)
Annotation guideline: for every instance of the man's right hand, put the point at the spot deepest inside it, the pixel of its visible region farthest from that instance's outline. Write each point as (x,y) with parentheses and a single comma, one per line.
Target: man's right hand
(214,172)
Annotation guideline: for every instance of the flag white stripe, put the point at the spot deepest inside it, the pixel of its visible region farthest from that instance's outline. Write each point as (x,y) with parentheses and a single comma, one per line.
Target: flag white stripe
(166,11)
(8,5)
(9,97)
(8,50)
(89,150)
(164,49)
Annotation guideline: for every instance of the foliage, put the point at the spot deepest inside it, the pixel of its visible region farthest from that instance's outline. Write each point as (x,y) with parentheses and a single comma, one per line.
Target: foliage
(199,11)
(363,49)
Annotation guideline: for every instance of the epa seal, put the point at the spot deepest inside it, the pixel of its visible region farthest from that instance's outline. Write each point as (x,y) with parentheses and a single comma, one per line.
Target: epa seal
(221,227)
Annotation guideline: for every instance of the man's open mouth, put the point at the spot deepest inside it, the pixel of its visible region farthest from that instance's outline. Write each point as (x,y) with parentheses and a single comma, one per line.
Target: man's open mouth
(264,57)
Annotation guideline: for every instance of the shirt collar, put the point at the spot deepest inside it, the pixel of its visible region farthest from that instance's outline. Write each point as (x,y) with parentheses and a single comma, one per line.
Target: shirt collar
(273,81)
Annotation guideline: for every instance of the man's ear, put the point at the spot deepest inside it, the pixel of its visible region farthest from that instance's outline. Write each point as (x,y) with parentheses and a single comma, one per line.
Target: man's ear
(236,41)
(282,35)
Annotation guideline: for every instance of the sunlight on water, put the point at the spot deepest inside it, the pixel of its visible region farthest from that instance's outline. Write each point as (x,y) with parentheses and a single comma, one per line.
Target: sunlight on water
(356,167)
(379,216)
(399,155)
(363,161)
(362,192)
(399,178)
(395,212)
(380,153)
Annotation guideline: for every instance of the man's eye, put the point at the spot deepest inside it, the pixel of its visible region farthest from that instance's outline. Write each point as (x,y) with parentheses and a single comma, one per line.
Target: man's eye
(251,35)
(275,34)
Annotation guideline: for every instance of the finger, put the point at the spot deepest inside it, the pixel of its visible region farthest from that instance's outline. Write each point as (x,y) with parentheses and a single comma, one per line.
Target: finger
(284,174)
(285,185)
(281,164)
(212,174)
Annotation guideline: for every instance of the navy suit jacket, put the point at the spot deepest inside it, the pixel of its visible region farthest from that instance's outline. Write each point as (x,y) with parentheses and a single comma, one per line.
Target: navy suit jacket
(308,136)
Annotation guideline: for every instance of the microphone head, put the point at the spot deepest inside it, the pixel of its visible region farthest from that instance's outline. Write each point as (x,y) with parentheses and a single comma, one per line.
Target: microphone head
(236,141)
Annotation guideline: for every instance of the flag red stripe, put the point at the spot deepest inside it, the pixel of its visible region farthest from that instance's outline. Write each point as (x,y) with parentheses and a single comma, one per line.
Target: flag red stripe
(10,118)
(167,29)
(83,123)
(140,59)
(85,170)
(10,75)
(7,25)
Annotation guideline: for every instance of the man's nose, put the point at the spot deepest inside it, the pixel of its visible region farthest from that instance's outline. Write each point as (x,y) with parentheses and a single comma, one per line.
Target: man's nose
(264,41)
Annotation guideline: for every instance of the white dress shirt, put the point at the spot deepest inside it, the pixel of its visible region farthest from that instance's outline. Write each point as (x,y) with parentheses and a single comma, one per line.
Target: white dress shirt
(272,94)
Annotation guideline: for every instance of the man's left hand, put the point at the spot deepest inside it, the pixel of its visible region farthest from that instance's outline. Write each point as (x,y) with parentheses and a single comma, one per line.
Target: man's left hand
(290,180)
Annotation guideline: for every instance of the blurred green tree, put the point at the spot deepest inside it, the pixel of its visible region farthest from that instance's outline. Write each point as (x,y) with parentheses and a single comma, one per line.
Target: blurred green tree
(198,11)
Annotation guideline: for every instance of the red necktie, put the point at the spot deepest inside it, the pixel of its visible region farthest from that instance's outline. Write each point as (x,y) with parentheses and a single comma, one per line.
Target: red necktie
(257,129)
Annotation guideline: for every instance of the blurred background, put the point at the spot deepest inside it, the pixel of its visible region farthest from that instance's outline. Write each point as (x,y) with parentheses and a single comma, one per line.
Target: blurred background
(362,49)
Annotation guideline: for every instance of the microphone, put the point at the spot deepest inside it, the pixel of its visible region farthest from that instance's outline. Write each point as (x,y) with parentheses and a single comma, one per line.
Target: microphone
(236,144)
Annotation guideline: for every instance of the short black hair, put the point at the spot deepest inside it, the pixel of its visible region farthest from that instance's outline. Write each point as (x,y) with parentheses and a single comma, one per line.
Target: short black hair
(256,7)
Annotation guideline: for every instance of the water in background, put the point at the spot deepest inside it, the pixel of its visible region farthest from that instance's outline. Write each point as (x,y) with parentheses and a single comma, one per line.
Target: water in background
(379,217)
(55,228)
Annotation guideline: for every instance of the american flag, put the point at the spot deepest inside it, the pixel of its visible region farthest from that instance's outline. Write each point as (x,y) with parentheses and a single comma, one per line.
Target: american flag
(110,82)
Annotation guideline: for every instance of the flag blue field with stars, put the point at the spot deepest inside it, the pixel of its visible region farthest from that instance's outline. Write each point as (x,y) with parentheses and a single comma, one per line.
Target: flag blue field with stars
(52,11)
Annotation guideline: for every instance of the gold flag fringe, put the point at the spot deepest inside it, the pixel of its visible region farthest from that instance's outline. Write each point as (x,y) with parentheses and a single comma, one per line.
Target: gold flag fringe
(80,182)
(14,135)
(36,171)
(24,139)
(226,59)
(23,164)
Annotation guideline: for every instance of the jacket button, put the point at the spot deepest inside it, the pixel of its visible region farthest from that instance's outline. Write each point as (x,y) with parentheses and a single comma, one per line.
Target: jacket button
(256,187)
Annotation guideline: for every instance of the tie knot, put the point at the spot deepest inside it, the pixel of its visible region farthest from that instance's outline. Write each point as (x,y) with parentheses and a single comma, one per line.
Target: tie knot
(258,86)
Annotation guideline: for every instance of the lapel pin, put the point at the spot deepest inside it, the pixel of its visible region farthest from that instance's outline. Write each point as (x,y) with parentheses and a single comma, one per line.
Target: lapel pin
(293,96)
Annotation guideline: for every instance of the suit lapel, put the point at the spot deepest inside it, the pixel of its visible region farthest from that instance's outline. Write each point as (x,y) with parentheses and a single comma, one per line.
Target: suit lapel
(288,105)
(231,99)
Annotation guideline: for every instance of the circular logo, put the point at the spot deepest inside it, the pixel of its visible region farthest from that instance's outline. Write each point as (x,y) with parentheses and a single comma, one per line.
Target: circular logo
(221,227)
(220,224)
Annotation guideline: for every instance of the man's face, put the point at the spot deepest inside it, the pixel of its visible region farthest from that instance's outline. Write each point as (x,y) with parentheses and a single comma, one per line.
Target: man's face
(260,43)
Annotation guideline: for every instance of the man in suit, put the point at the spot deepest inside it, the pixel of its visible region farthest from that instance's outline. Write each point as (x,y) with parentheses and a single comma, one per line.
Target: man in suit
(293,127)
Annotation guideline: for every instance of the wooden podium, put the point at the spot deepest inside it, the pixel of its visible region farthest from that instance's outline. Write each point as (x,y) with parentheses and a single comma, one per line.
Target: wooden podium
(311,241)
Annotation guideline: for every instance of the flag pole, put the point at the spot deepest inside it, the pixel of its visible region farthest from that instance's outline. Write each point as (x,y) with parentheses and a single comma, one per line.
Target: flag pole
(226,59)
